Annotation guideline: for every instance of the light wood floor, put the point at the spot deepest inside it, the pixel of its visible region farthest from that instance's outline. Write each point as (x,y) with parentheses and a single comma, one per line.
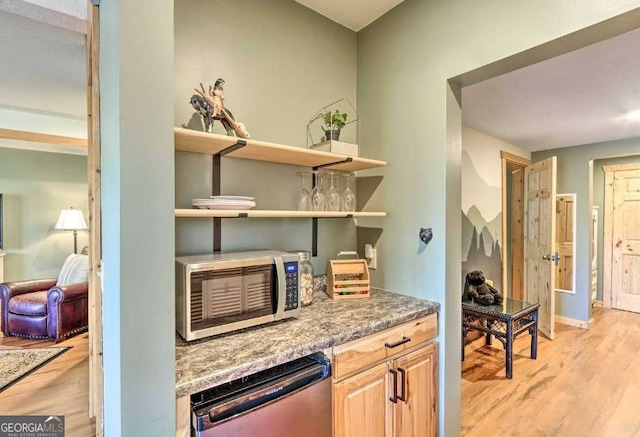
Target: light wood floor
(585,383)
(60,387)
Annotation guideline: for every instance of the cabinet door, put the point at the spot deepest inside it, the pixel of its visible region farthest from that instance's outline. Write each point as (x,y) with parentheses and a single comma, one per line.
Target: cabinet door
(418,371)
(361,404)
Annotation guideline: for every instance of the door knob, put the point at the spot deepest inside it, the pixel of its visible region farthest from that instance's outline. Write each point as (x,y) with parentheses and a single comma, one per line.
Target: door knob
(555,258)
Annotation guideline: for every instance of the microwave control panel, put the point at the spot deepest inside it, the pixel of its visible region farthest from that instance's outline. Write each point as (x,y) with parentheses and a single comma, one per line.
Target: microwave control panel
(291,276)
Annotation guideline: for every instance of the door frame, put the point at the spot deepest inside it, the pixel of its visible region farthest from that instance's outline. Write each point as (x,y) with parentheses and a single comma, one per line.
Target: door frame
(607,241)
(96,385)
(520,162)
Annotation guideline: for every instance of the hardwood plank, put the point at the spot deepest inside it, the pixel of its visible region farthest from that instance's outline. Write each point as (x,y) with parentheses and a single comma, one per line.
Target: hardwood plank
(36,137)
(187,140)
(584,383)
(263,213)
(60,387)
(183,417)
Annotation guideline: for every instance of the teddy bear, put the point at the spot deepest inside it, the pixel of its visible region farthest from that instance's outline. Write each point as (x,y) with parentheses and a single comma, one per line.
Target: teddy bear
(476,289)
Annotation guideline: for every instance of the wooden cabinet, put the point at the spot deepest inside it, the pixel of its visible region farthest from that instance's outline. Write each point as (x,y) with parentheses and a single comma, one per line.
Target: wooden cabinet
(386,384)
(416,417)
(361,404)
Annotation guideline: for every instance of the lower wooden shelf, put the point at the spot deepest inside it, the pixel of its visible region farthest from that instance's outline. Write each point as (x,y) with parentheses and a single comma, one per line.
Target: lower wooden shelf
(258,213)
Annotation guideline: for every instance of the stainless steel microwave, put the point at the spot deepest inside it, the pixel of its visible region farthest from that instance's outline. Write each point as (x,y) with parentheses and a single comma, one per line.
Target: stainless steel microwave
(222,292)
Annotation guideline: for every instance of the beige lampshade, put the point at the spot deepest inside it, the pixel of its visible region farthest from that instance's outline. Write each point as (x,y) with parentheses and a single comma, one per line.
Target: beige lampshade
(70,220)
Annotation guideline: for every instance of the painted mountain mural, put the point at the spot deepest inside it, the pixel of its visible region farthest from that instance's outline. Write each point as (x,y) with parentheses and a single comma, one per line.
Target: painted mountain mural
(480,250)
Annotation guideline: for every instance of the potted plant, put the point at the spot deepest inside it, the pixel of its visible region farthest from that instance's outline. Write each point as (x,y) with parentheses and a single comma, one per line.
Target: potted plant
(334,122)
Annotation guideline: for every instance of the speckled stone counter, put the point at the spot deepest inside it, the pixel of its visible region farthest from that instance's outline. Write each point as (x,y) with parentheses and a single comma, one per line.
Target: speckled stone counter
(209,362)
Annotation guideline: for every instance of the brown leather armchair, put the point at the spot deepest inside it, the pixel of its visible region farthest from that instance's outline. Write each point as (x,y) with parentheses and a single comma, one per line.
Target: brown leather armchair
(40,309)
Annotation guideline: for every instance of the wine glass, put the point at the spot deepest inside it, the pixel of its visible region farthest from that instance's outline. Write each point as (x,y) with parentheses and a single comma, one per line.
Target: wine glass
(333,197)
(318,195)
(303,198)
(348,196)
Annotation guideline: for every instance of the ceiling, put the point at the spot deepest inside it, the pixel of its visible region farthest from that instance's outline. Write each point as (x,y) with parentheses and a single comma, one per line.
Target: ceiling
(581,97)
(577,98)
(43,67)
(357,15)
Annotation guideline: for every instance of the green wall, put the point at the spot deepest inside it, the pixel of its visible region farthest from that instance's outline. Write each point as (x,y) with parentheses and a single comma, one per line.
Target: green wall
(282,63)
(138,251)
(35,187)
(411,118)
(575,176)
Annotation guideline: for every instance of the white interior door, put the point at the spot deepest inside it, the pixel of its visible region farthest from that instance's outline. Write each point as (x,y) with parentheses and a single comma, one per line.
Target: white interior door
(540,255)
(625,269)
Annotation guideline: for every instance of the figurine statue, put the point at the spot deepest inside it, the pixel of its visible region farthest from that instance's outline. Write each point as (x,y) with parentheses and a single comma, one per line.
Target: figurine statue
(426,234)
(211,107)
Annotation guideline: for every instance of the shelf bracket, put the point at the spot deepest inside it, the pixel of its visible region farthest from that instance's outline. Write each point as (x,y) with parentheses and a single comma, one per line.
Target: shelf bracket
(215,190)
(314,221)
(238,145)
(344,161)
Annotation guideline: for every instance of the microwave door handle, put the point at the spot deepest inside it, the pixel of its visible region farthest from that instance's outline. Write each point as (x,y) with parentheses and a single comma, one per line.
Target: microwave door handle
(282,285)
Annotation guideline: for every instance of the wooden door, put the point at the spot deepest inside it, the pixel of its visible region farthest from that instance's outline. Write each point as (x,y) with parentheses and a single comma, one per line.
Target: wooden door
(625,242)
(539,240)
(361,405)
(565,204)
(418,415)
(517,232)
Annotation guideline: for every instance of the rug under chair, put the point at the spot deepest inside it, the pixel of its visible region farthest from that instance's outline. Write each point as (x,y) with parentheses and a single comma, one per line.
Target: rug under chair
(15,364)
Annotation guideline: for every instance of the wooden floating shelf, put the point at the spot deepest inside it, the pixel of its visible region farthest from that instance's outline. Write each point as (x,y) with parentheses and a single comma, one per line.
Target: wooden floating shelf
(187,140)
(257,213)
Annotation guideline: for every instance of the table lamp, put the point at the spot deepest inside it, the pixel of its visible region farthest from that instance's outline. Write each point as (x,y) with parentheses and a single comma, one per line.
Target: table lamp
(71,220)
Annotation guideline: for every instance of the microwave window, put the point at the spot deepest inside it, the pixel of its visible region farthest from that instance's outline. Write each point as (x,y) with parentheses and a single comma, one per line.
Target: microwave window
(225,296)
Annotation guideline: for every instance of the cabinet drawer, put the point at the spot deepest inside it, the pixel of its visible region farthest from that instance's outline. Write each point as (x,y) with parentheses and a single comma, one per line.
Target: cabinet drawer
(362,353)
(421,330)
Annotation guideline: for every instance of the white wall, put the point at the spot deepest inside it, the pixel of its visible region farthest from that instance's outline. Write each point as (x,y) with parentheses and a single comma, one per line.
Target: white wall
(485,162)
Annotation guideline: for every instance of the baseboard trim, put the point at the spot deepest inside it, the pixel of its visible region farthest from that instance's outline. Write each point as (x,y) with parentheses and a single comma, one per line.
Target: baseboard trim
(598,303)
(574,322)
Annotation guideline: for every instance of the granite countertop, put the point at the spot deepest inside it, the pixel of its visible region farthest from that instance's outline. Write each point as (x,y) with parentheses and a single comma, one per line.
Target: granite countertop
(205,363)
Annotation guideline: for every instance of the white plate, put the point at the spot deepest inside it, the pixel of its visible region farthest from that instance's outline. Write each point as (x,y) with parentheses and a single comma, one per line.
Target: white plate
(205,206)
(213,204)
(233,198)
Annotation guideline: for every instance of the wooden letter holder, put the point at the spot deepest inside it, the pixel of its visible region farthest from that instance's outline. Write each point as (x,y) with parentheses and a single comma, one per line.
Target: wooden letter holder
(348,279)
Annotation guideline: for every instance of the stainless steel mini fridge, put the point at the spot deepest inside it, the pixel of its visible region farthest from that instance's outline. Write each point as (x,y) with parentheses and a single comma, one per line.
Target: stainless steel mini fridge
(290,400)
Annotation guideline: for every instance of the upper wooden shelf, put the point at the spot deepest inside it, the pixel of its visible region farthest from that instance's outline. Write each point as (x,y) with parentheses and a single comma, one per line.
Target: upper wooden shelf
(187,140)
(261,213)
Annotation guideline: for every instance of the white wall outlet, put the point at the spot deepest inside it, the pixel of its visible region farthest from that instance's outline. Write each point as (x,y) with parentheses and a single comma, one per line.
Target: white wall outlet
(372,262)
